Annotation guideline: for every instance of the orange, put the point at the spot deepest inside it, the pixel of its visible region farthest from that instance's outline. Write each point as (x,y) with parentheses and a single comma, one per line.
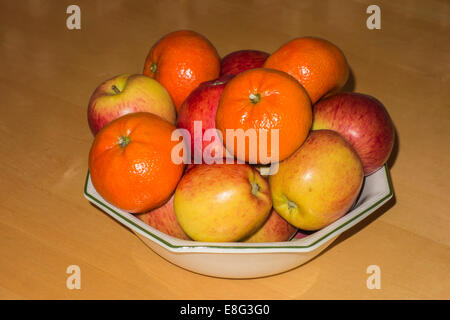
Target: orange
(265,99)
(316,63)
(130,162)
(180,61)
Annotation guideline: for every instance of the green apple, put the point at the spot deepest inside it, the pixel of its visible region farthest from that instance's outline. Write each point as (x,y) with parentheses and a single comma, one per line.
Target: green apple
(127,94)
(319,183)
(221,202)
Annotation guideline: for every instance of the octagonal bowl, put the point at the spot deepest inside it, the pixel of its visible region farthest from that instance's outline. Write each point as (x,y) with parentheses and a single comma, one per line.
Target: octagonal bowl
(249,260)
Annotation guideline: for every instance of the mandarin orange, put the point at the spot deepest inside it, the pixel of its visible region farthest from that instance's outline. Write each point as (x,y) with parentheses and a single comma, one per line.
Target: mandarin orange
(263,100)
(130,162)
(180,61)
(317,64)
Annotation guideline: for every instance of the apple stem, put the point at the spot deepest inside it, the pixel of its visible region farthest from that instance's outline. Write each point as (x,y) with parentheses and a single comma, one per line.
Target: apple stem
(123,141)
(115,89)
(153,67)
(254,98)
(291,204)
(218,82)
(255,188)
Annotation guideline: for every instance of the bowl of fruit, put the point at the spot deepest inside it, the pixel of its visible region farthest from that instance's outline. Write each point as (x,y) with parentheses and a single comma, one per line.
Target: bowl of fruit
(239,167)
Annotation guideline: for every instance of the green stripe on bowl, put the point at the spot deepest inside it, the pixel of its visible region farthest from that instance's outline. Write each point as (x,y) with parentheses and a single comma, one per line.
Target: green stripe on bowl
(168,244)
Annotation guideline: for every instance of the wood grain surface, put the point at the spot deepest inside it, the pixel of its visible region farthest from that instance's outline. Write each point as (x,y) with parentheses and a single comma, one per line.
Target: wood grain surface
(49,72)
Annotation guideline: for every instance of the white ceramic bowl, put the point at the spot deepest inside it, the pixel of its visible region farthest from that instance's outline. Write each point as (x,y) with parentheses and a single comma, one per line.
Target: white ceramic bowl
(245,260)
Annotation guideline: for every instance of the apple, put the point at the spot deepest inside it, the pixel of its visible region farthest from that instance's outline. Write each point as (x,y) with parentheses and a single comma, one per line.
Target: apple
(274,229)
(164,220)
(363,121)
(222,202)
(301,234)
(189,167)
(198,113)
(319,183)
(127,94)
(240,61)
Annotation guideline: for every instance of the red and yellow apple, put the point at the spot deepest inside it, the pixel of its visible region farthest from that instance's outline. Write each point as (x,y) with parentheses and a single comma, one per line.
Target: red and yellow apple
(164,220)
(318,183)
(240,61)
(198,114)
(274,229)
(125,94)
(221,202)
(363,121)
(302,234)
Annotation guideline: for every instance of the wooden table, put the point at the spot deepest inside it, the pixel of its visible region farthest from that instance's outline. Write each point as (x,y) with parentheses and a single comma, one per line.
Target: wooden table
(49,72)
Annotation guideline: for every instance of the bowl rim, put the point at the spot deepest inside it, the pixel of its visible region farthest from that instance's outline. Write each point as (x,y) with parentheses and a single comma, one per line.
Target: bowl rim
(294,245)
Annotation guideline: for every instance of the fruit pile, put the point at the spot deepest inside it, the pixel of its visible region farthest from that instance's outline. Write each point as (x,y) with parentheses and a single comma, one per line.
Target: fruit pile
(252,147)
